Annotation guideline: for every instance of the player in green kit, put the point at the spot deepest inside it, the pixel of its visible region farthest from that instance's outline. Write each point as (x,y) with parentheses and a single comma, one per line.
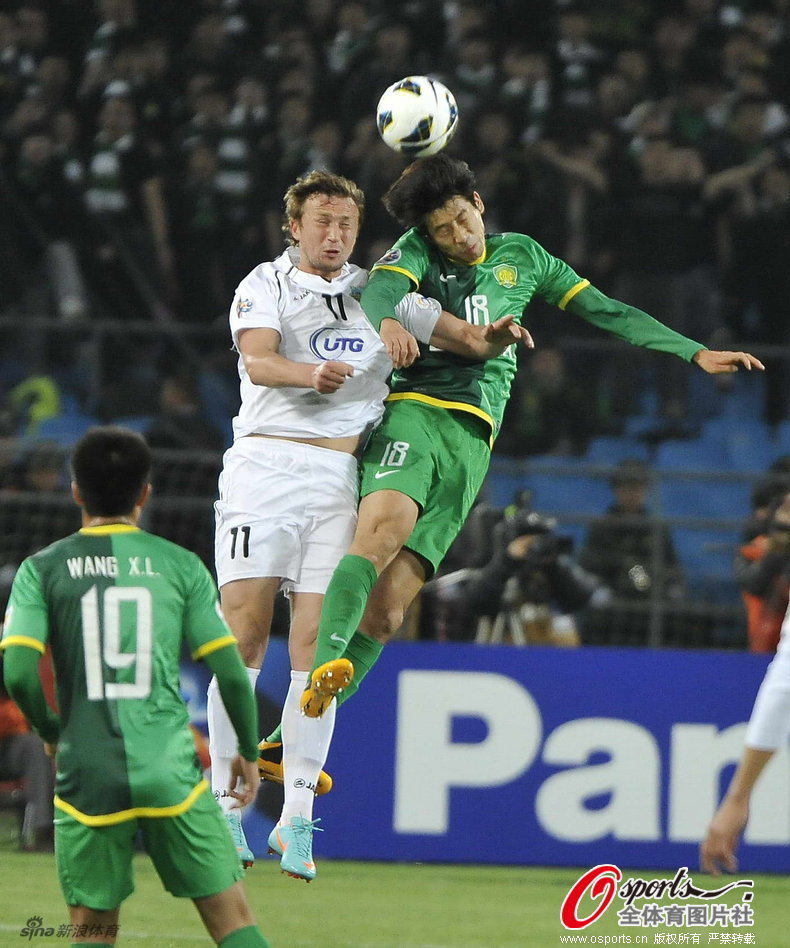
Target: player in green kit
(115,605)
(427,460)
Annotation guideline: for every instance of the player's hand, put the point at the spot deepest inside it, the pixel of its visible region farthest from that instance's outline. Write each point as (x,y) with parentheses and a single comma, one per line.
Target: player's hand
(506,332)
(715,362)
(401,346)
(329,376)
(717,850)
(244,780)
(51,750)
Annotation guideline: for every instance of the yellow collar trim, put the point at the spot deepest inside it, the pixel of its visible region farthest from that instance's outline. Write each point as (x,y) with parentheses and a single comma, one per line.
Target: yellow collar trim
(106,528)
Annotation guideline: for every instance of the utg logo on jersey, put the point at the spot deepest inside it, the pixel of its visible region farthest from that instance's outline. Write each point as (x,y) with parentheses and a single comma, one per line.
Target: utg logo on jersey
(331,343)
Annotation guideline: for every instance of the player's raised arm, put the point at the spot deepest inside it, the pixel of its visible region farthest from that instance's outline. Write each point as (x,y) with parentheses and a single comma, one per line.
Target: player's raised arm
(478,342)
(637,327)
(385,289)
(265,366)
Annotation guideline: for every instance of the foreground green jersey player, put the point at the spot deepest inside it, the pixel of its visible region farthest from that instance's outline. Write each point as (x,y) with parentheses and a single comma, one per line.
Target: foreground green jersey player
(115,605)
(426,462)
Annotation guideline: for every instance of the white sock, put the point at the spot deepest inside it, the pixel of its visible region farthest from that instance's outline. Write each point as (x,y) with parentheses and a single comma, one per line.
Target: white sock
(222,742)
(305,748)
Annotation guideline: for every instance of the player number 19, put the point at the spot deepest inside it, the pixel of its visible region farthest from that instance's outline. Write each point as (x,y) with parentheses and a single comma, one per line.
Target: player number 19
(104,626)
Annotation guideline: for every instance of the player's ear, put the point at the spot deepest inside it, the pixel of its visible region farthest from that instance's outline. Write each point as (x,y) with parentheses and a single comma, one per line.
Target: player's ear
(479,202)
(145,495)
(75,493)
(294,227)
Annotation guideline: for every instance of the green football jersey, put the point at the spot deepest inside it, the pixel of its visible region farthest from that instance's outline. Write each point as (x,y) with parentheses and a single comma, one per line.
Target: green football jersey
(514,269)
(115,605)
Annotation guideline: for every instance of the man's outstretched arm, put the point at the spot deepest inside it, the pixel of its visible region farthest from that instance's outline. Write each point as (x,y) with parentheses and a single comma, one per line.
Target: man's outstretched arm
(637,327)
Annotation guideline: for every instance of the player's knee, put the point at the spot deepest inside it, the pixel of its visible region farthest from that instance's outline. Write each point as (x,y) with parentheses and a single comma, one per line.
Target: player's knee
(383,622)
(380,545)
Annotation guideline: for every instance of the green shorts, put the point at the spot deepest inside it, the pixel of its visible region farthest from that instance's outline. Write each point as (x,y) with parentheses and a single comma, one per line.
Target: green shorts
(437,457)
(193,854)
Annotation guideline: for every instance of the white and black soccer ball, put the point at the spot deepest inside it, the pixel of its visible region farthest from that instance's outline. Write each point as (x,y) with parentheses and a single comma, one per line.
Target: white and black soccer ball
(417,116)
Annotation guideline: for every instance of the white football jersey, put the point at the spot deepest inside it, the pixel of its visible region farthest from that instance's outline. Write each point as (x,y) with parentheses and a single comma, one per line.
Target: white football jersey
(318,321)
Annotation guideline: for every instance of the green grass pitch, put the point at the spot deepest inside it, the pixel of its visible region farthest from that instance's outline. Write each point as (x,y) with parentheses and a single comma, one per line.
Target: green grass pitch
(365,905)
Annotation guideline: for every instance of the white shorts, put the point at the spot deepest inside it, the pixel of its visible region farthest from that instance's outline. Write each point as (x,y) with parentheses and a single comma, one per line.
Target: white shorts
(286,510)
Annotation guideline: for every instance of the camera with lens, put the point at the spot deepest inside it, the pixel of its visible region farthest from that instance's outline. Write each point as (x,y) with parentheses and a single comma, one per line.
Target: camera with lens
(546,543)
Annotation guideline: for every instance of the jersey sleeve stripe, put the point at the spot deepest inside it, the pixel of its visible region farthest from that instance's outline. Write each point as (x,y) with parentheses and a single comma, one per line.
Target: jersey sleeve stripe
(23,640)
(208,647)
(137,812)
(406,273)
(572,292)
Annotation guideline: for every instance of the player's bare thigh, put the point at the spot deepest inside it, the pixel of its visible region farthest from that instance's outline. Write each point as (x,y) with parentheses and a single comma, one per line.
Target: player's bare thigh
(248,607)
(386,520)
(395,590)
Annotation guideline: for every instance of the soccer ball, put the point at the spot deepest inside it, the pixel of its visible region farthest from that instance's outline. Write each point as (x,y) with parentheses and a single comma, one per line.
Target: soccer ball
(417,116)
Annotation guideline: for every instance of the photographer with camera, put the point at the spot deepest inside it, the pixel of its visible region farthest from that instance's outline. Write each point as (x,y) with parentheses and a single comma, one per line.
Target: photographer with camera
(531,585)
(762,571)
(632,551)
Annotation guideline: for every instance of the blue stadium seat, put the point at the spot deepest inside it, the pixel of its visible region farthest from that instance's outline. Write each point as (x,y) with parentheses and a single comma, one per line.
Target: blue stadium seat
(66,429)
(746,443)
(782,438)
(611,448)
(694,454)
(138,423)
(568,494)
(686,497)
(746,400)
(707,558)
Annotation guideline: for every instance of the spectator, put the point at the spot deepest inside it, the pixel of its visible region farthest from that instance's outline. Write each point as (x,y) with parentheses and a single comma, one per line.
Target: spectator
(548,412)
(762,571)
(22,757)
(633,554)
(664,253)
(125,201)
(180,422)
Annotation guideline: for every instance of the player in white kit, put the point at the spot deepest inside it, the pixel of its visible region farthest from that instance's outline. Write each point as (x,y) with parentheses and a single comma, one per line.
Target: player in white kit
(768,730)
(313,380)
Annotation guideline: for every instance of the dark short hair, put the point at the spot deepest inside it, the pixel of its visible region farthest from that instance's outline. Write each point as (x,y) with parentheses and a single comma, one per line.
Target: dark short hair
(426,185)
(110,465)
(318,182)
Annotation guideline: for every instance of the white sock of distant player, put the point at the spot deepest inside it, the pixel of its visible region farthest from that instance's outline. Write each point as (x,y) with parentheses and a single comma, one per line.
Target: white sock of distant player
(305,748)
(222,742)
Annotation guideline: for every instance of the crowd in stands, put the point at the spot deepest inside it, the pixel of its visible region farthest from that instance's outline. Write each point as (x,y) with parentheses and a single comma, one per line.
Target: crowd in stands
(145,147)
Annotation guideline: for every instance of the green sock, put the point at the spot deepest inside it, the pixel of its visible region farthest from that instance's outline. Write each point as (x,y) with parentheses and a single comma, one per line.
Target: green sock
(248,937)
(344,605)
(363,652)
(276,737)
